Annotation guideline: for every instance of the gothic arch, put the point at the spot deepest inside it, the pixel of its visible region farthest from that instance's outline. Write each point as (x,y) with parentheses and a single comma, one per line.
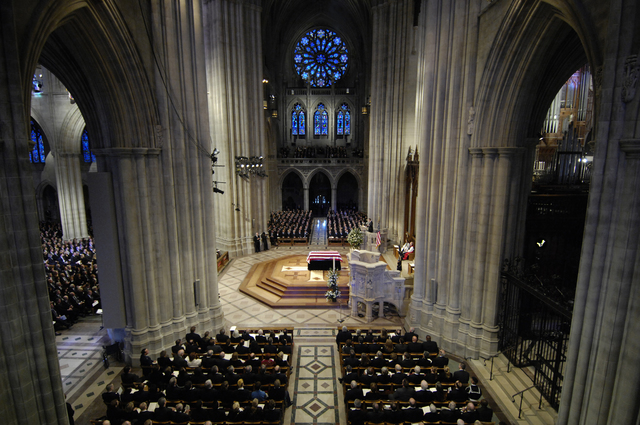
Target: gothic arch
(323,170)
(536,50)
(77,41)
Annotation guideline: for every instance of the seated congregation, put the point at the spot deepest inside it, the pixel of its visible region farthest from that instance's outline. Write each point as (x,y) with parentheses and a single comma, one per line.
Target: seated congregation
(393,377)
(230,379)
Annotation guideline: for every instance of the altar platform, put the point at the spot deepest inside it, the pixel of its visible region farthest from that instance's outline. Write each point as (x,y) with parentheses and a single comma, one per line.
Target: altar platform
(286,282)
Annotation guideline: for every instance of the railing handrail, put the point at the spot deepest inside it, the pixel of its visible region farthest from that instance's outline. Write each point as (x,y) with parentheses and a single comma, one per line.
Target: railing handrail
(513,399)
(520,392)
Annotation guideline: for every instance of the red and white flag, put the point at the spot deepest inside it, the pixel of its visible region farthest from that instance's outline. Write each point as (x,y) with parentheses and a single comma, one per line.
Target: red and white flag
(378,239)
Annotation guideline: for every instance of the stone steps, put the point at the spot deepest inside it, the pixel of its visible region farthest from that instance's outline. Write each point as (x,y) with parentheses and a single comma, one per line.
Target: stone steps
(505,384)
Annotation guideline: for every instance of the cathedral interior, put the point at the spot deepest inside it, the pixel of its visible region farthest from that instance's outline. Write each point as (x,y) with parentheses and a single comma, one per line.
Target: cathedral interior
(501,136)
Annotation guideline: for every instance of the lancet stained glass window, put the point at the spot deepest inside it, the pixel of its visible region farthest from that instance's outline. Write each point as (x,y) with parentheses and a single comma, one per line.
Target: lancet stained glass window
(297,120)
(37,155)
(343,121)
(320,121)
(321,57)
(87,155)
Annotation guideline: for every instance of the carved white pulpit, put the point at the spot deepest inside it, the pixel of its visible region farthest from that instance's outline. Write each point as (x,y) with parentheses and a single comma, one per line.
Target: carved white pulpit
(370,283)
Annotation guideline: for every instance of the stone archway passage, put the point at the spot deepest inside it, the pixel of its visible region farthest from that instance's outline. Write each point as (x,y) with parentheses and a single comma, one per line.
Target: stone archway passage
(286,282)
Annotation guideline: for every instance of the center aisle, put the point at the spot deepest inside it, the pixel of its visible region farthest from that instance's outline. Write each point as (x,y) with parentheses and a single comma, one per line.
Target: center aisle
(318,232)
(315,392)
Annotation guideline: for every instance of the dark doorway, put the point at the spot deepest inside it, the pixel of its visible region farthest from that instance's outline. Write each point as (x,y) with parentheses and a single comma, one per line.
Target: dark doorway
(347,192)
(50,205)
(320,195)
(292,193)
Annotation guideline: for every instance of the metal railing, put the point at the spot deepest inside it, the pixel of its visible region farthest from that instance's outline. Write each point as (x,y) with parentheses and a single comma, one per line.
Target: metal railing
(521,394)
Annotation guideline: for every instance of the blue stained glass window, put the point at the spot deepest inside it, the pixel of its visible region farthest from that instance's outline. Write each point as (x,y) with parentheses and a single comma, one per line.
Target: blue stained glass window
(321,57)
(294,123)
(87,155)
(340,124)
(297,120)
(347,123)
(301,123)
(37,155)
(320,121)
(344,108)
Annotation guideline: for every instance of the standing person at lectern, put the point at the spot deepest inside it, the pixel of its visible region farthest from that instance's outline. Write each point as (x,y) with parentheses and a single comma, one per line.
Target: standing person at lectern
(256,242)
(370,226)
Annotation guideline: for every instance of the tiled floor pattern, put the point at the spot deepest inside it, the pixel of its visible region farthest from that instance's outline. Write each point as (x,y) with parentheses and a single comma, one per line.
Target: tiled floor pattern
(82,370)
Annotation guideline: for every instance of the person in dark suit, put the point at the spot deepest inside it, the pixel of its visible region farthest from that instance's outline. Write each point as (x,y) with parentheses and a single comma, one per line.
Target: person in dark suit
(412,413)
(162,412)
(430,346)
(129,378)
(450,413)
(414,346)
(424,395)
(461,374)
(265,246)
(349,376)
(404,393)
(145,360)
(343,335)
(179,346)
(179,360)
(441,361)
(485,413)
(407,362)
(367,377)
(416,376)
(193,336)
(469,414)
(144,414)
(241,394)
(458,393)
(222,337)
(370,226)
(270,413)
(256,242)
(398,376)
(354,392)
(180,416)
(357,416)
(473,390)
(394,415)
(375,415)
(432,415)
(110,395)
(278,375)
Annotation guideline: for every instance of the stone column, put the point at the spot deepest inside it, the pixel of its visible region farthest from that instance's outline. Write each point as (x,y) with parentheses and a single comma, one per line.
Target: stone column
(334,198)
(391,42)
(29,368)
(446,33)
(234,81)
(71,195)
(306,198)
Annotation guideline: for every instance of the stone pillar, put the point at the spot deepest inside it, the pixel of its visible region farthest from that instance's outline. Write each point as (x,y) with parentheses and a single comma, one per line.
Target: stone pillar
(444,93)
(307,206)
(234,81)
(29,368)
(391,43)
(71,195)
(334,198)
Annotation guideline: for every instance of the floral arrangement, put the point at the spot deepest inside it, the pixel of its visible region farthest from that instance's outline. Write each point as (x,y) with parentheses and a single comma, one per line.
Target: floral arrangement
(332,283)
(355,238)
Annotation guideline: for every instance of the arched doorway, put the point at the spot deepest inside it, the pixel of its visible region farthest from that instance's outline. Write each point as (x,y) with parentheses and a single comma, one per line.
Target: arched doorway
(320,195)
(292,192)
(347,192)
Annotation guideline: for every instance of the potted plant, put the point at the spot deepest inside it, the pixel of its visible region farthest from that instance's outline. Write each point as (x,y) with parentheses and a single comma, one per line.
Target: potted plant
(332,283)
(355,238)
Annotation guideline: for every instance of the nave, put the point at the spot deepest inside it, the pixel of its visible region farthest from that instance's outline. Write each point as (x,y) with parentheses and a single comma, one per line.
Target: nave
(316,362)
